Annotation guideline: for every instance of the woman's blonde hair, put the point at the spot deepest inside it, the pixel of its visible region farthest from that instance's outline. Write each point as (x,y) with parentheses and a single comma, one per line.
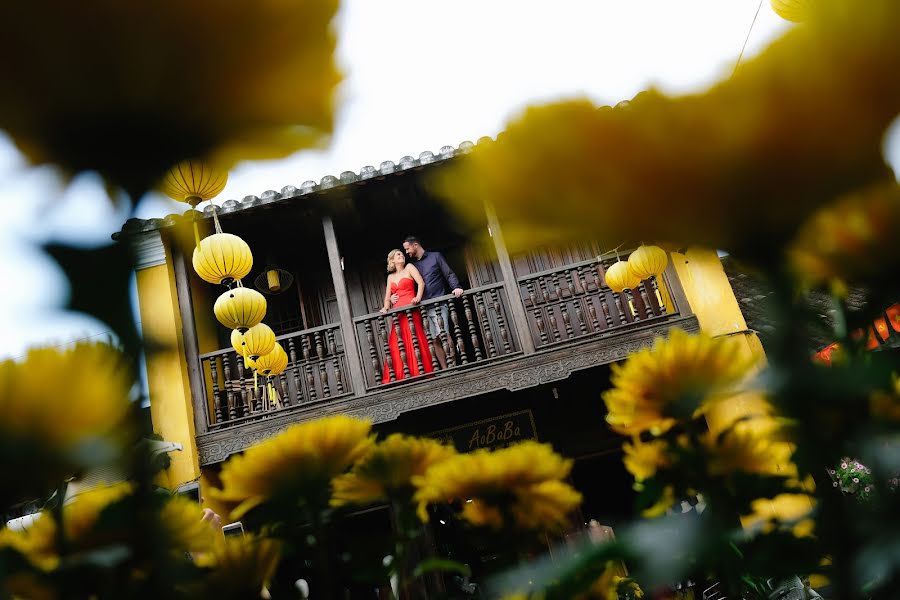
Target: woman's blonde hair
(390,261)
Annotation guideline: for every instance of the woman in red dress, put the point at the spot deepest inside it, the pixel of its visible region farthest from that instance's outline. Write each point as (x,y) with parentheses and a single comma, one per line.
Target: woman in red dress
(403,281)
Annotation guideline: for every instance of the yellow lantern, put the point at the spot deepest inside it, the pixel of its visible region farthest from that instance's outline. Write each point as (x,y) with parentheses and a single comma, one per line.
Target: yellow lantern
(193,181)
(795,11)
(240,308)
(258,341)
(237,342)
(222,258)
(273,363)
(619,277)
(647,261)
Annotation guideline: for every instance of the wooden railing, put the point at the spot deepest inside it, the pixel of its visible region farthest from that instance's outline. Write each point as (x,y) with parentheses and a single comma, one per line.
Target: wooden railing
(316,370)
(475,328)
(574,302)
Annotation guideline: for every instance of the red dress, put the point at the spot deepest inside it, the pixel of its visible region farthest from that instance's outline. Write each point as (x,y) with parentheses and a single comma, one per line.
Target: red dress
(406,289)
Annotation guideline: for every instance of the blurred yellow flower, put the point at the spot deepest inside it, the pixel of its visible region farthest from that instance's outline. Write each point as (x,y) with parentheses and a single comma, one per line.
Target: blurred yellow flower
(166,80)
(885,405)
(681,372)
(519,486)
(852,241)
(38,542)
(643,459)
(612,585)
(302,459)
(751,446)
(737,167)
(663,503)
(387,471)
(183,527)
(240,566)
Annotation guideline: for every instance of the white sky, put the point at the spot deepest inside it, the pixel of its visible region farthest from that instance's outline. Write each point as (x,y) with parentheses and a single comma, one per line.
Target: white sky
(420,74)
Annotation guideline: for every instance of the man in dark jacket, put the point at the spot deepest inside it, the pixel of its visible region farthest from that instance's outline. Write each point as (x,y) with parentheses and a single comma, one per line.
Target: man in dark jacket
(440,280)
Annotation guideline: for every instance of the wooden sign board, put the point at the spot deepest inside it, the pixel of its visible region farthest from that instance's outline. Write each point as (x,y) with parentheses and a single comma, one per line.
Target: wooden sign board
(496,432)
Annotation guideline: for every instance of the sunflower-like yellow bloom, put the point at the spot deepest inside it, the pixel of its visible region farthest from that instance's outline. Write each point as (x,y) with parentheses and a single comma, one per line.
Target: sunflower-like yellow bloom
(523,481)
(643,459)
(387,471)
(850,241)
(684,369)
(612,585)
(183,527)
(752,446)
(170,80)
(39,541)
(738,167)
(304,458)
(240,565)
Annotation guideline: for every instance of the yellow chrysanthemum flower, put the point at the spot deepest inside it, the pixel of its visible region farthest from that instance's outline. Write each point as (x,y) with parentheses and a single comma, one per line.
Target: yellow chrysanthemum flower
(737,167)
(241,80)
(643,459)
(612,585)
(752,446)
(388,470)
(522,481)
(301,459)
(240,565)
(183,527)
(39,541)
(850,241)
(62,397)
(682,369)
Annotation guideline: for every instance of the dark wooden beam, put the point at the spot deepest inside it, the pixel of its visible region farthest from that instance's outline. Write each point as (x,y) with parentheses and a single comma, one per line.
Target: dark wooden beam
(348,331)
(512,285)
(189,335)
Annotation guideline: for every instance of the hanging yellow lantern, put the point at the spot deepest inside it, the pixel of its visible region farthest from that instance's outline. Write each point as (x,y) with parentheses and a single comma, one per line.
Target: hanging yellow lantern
(222,258)
(240,308)
(193,182)
(647,261)
(258,341)
(620,278)
(237,342)
(273,280)
(273,363)
(795,11)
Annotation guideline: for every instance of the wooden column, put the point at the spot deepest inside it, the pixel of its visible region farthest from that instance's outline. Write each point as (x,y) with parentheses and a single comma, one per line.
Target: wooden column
(189,332)
(348,331)
(516,307)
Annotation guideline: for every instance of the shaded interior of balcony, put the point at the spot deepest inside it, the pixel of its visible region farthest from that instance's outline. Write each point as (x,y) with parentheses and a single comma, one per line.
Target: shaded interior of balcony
(339,345)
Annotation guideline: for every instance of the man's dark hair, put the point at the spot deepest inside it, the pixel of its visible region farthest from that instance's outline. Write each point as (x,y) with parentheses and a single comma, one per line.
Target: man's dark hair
(412,240)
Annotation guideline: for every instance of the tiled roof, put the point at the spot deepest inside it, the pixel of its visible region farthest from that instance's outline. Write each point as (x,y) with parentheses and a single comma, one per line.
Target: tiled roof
(347,178)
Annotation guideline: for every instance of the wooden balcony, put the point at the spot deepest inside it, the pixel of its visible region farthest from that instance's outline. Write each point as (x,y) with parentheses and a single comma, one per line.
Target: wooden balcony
(517,333)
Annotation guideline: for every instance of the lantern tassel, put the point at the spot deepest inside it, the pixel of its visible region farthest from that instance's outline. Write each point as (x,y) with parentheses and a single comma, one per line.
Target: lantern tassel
(255,382)
(196,234)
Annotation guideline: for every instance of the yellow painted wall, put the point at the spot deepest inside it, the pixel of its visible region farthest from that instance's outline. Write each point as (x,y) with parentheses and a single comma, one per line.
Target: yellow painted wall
(170,397)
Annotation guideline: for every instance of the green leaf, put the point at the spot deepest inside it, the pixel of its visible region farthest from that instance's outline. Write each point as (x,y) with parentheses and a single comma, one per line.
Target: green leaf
(443,565)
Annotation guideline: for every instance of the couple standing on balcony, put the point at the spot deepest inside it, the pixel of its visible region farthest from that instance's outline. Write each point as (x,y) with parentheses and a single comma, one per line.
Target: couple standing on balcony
(427,275)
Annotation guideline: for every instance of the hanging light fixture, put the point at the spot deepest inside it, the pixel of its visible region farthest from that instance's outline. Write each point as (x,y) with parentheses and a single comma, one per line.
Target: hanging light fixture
(273,280)
(240,308)
(620,278)
(193,182)
(222,258)
(647,261)
(259,340)
(271,365)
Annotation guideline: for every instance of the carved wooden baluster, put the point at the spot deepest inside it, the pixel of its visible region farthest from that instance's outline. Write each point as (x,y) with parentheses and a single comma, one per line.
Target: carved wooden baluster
(595,275)
(457,332)
(592,311)
(307,367)
(656,298)
(556,287)
(217,405)
(545,294)
(285,390)
(554,327)
(579,314)
(621,305)
(245,404)
(332,348)
(385,347)
(446,340)
(373,354)
(567,320)
(229,385)
(570,283)
(417,352)
(473,331)
(295,369)
(501,322)
(582,280)
(323,370)
(641,303)
(402,346)
(429,339)
(485,325)
(531,293)
(257,396)
(539,321)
